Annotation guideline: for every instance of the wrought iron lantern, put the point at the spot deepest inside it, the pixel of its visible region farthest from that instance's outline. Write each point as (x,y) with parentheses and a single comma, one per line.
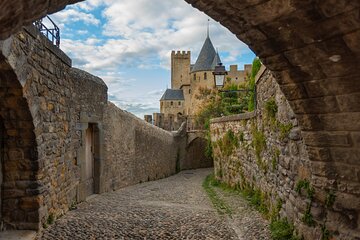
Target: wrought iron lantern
(219,75)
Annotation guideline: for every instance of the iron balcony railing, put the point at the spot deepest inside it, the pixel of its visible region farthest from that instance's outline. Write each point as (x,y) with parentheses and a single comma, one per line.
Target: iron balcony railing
(52,33)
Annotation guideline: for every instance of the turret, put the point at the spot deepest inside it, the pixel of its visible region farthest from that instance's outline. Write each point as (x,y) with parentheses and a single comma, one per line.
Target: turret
(180,68)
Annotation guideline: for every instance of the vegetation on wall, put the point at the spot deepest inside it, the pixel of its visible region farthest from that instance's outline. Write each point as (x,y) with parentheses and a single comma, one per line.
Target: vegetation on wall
(304,185)
(271,108)
(217,104)
(258,141)
(228,143)
(285,130)
(256,65)
(280,229)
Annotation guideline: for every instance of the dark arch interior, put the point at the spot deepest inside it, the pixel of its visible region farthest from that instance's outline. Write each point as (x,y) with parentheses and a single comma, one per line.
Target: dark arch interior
(19,165)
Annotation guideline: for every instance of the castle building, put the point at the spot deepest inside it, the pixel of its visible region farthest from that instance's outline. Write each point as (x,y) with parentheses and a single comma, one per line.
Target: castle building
(181,102)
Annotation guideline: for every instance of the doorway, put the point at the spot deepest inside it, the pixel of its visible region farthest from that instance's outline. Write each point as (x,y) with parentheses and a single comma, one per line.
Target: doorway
(89,160)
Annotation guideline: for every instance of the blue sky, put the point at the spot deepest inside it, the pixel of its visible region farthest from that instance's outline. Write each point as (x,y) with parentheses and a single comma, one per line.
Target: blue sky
(128,44)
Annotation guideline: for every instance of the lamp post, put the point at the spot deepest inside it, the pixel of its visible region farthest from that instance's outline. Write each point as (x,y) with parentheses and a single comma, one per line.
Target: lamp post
(219,75)
(219,79)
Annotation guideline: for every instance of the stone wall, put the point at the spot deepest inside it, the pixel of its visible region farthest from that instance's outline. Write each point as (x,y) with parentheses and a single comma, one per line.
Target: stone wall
(136,151)
(265,150)
(61,140)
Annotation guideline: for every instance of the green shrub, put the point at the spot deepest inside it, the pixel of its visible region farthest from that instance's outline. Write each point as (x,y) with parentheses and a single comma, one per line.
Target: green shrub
(282,230)
(271,108)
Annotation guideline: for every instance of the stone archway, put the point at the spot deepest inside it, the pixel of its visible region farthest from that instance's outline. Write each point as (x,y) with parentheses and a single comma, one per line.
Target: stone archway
(20,200)
(195,154)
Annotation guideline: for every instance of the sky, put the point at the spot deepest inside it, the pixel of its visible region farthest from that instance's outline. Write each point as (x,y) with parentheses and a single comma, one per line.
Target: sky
(128,44)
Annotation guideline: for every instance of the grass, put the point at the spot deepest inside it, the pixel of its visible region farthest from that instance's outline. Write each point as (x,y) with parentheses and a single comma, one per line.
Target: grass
(280,229)
(220,206)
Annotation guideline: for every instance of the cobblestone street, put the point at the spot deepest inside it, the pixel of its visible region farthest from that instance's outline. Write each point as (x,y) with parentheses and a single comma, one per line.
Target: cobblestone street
(173,208)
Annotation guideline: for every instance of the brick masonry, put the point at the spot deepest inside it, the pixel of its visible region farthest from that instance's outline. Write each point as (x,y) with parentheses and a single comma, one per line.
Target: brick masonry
(284,160)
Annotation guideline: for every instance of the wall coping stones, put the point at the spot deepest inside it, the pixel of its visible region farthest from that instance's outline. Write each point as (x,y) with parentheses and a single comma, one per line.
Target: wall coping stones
(34,32)
(80,74)
(260,73)
(237,117)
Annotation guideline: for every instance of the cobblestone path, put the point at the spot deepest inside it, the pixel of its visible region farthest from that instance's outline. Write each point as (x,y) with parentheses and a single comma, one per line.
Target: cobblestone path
(173,208)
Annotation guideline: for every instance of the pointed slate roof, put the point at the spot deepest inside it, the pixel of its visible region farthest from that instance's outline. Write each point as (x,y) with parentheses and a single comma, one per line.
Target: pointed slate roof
(173,94)
(216,61)
(208,57)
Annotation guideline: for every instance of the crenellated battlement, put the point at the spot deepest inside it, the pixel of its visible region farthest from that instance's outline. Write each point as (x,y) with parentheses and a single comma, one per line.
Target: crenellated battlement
(180,54)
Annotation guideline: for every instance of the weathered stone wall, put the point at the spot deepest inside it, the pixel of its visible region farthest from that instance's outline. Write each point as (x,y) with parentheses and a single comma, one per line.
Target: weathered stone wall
(136,151)
(47,109)
(265,149)
(58,98)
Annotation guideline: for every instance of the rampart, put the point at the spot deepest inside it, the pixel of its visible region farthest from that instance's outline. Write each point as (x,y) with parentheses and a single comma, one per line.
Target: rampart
(61,140)
(264,151)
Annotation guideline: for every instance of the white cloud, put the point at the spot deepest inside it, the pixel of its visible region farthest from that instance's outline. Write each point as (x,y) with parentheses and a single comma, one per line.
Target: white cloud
(139,34)
(74,15)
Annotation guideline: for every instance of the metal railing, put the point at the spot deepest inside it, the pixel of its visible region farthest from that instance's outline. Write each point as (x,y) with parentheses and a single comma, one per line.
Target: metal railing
(52,33)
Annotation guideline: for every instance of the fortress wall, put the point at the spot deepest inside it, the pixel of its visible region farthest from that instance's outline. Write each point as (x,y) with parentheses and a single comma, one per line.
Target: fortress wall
(269,154)
(136,151)
(64,104)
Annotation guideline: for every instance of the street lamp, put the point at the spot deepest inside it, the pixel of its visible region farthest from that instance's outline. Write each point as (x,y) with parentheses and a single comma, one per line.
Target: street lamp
(219,75)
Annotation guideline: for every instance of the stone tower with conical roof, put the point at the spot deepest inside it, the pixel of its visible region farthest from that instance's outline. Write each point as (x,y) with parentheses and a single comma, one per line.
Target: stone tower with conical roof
(188,82)
(201,73)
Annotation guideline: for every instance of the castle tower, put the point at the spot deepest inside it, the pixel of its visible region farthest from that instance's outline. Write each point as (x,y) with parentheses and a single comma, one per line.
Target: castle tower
(180,69)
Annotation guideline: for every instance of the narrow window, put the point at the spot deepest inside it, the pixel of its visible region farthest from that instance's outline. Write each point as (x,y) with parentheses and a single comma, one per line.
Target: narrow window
(205,76)
(194,76)
(179,103)
(189,91)
(172,103)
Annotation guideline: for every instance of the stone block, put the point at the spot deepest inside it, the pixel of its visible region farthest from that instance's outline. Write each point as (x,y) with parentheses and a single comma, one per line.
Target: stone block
(276,63)
(345,155)
(346,219)
(303,172)
(319,154)
(252,36)
(323,169)
(30,203)
(309,122)
(348,121)
(295,134)
(349,102)
(320,105)
(331,86)
(294,91)
(352,41)
(333,7)
(356,138)
(347,172)
(327,139)
(347,201)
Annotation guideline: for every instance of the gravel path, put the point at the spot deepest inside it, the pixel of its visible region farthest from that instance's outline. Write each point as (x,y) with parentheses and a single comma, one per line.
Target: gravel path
(173,208)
